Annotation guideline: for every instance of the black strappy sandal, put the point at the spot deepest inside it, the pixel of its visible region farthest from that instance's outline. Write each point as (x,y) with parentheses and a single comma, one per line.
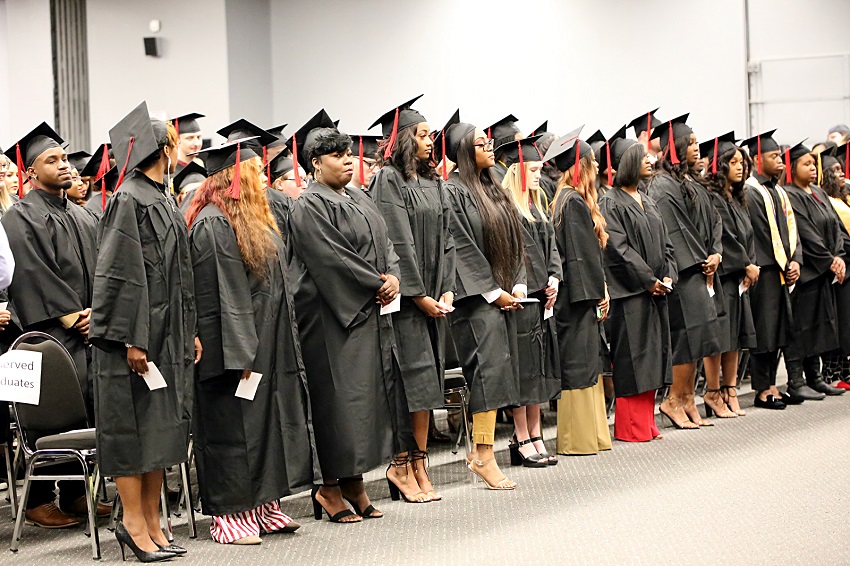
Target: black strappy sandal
(369,511)
(337,518)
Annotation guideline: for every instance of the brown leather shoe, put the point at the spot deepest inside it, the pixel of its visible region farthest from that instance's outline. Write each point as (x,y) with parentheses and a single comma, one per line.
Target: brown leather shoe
(78,507)
(48,516)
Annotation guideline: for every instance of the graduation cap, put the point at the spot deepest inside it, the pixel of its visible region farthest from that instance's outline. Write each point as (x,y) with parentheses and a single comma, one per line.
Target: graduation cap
(567,152)
(792,154)
(597,136)
(716,147)
(280,166)
(135,138)
(258,138)
(667,136)
(29,147)
(366,147)
(301,139)
(520,151)
(504,130)
(277,132)
(193,172)
(108,182)
(97,168)
(615,146)
(229,154)
(79,160)
(449,138)
(397,119)
(759,144)
(187,123)
(441,144)
(541,129)
(644,122)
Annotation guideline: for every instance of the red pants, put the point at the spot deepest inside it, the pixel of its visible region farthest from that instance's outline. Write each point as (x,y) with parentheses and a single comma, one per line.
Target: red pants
(268,517)
(634,418)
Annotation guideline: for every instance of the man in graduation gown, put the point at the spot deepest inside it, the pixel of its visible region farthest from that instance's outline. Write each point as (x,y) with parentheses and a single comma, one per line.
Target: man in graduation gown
(53,242)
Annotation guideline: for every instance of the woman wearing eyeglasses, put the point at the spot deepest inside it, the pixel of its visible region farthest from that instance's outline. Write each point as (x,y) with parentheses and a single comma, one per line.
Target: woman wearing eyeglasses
(489,281)
(415,209)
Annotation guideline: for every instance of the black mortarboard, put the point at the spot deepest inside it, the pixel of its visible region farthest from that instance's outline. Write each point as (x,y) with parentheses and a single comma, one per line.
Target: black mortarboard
(24,152)
(365,147)
(301,139)
(242,129)
(109,181)
(644,122)
(675,128)
(715,147)
(567,151)
(611,150)
(504,130)
(452,133)
(99,163)
(187,123)
(759,144)
(791,154)
(135,138)
(397,119)
(79,160)
(441,145)
(597,136)
(279,166)
(193,172)
(521,151)
(277,132)
(541,129)
(229,154)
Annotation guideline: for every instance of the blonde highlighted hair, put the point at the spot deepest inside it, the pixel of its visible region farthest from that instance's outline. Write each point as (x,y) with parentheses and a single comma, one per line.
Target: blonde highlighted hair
(512,183)
(586,187)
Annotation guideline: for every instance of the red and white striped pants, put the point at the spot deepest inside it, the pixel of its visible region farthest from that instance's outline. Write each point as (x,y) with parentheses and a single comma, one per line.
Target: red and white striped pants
(267,517)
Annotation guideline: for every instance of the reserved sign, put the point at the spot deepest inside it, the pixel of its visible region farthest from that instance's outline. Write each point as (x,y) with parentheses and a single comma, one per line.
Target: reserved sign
(20,377)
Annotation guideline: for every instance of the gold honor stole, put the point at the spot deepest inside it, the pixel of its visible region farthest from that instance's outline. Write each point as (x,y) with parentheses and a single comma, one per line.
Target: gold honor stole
(843,211)
(770,212)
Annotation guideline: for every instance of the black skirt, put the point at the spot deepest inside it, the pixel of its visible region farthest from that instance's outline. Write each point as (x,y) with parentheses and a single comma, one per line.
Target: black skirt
(694,333)
(737,330)
(815,317)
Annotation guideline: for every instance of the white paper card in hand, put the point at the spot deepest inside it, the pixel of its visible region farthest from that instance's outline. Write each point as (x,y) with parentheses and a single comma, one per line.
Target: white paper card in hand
(3,305)
(835,280)
(547,313)
(742,288)
(247,388)
(528,300)
(154,378)
(394,306)
(710,290)
(444,307)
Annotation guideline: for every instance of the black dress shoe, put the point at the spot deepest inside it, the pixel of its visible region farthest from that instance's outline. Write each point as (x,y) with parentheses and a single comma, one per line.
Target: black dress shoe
(823,387)
(770,403)
(788,400)
(805,393)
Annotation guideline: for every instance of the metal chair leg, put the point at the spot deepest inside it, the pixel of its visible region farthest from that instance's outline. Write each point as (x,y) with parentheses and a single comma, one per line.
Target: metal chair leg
(465,418)
(187,496)
(116,507)
(91,503)
(16,535)
(10,480)
(166,515)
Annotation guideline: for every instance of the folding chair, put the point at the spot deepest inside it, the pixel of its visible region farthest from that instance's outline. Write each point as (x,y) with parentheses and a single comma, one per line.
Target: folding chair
(61,408)
(455,384)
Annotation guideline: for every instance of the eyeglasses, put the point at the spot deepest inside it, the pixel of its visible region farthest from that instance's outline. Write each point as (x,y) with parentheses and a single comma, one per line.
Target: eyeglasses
(485,145)
(75,178)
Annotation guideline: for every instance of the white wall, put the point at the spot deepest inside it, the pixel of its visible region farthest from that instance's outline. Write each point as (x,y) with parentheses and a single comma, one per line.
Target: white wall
(190,76)
(249,61)
(26,68)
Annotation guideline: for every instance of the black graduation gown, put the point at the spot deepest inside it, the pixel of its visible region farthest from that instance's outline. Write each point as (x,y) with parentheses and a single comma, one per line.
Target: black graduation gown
(815,325)
(583,287)
(281,206)
(695,230)
(499,171)
(737,329)
(54,243)
(247,452)
(143,296)
(95,204)
(769,299)
(537,339)
(842,294)
(637,254)
(484,335)
(340,248)
(548,185)
(417,217)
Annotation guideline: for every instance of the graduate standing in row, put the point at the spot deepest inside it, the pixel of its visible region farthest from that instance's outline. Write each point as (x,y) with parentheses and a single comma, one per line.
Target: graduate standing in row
(249,452)
(143,317)
(641,271)
(414,206)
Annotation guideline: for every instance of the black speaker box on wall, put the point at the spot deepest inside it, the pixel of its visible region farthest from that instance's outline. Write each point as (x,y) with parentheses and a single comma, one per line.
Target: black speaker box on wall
(152,46)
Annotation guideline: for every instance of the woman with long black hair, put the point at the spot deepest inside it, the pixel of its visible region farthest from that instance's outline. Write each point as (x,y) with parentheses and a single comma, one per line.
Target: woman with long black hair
(725,176)
(641,271)
(415,208)
(583,301)
(490,279)
(695,231)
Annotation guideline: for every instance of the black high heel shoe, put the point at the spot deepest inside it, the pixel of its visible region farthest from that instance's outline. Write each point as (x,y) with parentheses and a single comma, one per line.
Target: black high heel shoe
(395,492)
(172,548)
(551,459)
(369,511)
(318,508)
(517,459)
(124,539)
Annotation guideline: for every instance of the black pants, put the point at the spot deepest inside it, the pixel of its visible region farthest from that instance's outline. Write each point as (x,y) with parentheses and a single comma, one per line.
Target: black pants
(42,492)
(763,367)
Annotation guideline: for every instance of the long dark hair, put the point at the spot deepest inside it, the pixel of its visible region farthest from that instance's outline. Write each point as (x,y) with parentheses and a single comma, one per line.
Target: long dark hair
(830,182)
(716,182)
(680,170)
(631,163)
(503,245)
(404,157)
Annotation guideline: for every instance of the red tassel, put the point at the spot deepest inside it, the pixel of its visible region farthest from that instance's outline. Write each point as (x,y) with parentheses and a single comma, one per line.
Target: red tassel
(714,159)
(362,168)
(788,177)
(123,169)
(758,141)
(648,127)
(521,166)
(20,166)
(847,160)
(235,184)
(671,143)
(267,166)
(388,151)
(177,126)
(577,166)
(101,174)
(608,156)
(489,134)
(445,166)
(295,161)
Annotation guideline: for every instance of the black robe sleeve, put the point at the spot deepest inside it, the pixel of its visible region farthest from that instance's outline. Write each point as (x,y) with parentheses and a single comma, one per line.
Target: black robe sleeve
(346,281)
(474,275)
(449,257)
(626,265)
(580,253)
(120,307)
(818,252)
(553,267)
(667,195)
(225,309)
(36,261)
